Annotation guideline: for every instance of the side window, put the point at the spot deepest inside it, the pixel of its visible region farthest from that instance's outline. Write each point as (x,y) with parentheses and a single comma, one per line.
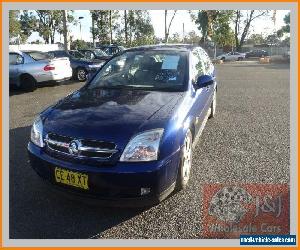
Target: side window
(114,50)
(198,67)
(15,59)
(116,67)
(89,55)
(207,62)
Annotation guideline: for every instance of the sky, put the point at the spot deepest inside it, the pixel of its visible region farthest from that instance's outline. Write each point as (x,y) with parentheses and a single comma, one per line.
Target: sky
(263,26)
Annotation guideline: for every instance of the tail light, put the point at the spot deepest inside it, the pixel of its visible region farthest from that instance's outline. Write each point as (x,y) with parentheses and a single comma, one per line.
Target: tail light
(49,67)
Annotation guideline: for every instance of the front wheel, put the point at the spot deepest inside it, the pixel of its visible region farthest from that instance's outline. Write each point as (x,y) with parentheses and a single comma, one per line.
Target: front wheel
(81,74)
(185,166)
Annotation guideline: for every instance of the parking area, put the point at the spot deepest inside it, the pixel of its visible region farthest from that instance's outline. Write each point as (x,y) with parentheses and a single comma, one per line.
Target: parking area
(247,142)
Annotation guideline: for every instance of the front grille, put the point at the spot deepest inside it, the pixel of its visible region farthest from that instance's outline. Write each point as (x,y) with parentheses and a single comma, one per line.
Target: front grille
(80,148)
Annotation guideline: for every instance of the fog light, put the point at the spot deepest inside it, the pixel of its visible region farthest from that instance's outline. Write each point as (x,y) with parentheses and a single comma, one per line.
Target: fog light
(145,191)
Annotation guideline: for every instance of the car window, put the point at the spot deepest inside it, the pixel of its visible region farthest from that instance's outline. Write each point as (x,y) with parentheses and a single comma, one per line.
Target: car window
(114,50)
(198,67)
(15,59)
(206,60)
(151,70)
(38,56)
(89,55)
(100,52)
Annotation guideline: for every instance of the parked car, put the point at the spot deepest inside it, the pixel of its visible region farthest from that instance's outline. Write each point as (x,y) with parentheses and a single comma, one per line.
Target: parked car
(257,53)
(111,49)
(232,56)
(27,68)
(126,136)
(81,66)
(95,54)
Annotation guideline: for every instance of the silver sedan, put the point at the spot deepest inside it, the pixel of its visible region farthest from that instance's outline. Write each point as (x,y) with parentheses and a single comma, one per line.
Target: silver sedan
(27,68)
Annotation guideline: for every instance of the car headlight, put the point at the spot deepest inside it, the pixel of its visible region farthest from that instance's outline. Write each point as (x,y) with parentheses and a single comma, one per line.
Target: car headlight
(143,147)
(37,132)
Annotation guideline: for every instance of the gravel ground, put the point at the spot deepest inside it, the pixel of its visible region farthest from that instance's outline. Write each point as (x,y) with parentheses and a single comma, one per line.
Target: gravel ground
(247,142)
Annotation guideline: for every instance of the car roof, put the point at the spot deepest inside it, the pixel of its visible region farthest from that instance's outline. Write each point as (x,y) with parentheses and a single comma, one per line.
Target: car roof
(31,51)
(174,47)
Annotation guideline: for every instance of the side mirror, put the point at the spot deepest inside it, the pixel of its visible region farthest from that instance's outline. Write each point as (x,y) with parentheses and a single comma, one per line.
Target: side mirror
(204,80)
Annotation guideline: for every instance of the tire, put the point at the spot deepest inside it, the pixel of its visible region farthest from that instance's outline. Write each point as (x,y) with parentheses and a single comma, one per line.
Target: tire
(185,166)
(81,74)
(240,59)
(223,59)
(28,83)
(213,106)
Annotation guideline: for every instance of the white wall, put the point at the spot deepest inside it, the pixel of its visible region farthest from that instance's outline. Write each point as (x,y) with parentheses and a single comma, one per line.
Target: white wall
(38,47)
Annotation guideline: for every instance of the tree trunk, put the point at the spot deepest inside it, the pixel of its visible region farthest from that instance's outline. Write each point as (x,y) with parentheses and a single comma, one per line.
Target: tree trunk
(126,31)
(93,30)
(110,28)
(65,31)
(166,31)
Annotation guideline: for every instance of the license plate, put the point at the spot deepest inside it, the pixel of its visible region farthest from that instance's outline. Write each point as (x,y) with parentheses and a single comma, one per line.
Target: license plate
(71,178)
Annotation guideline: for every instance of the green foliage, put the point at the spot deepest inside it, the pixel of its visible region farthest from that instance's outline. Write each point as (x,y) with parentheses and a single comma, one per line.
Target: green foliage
(255,39)
(14,24)
(50,22)
(105,25)
(139,29)
(215,25)
(79,44)
(286,28)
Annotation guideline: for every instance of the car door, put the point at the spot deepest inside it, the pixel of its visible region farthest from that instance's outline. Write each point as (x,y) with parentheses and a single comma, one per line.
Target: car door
(15,65)
(230,56)
(201,96)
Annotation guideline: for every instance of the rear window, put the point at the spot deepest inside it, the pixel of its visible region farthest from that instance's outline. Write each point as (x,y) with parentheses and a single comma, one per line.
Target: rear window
(37,56)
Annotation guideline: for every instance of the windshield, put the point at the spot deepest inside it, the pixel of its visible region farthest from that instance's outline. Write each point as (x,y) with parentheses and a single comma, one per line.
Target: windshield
(153,70)
(99,52)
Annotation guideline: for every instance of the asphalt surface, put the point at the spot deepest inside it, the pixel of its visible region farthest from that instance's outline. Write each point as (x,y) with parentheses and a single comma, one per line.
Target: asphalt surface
(247,142)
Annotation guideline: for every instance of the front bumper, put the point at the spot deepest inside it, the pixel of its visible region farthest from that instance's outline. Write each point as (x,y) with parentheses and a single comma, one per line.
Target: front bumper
(118,185)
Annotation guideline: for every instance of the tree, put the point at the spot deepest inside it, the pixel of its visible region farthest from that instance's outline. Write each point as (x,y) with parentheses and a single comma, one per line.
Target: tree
(50,22)
(28,24)
(286,28)
(14,25)
(167,27)
(192,38)
(106,25)
(215,25)
(175,38)
(242,23)
(135,29)
(79,44)
(221,32)
(255,39)
(21,25)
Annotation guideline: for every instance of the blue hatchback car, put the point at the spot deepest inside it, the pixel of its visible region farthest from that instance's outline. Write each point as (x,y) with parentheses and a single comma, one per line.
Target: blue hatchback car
(126,137)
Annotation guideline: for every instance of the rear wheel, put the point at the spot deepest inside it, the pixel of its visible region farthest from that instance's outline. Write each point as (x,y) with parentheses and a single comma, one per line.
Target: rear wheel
(184,170)
(28,83)
(240,59)
(81,74)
